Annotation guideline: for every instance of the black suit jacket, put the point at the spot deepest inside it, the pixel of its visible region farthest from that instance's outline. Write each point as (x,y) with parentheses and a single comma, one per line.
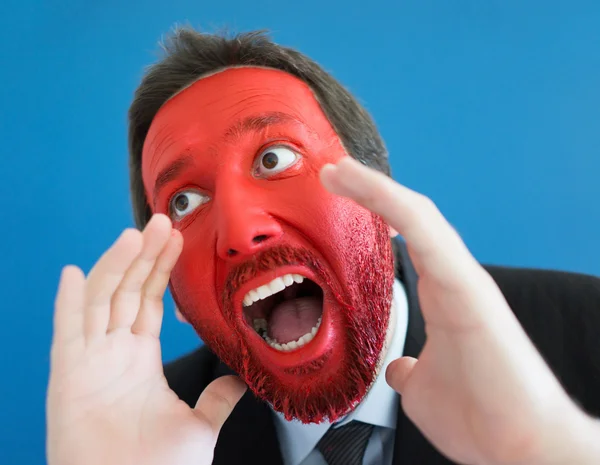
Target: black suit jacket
(559,311)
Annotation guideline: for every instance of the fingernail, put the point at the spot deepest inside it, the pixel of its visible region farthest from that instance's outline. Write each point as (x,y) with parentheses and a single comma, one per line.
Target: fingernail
(328,167)
(351,161)
(327,171)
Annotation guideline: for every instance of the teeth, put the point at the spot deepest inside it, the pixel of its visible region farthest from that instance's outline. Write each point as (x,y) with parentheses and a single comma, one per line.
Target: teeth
(275,286)
(264,292)
(261,324)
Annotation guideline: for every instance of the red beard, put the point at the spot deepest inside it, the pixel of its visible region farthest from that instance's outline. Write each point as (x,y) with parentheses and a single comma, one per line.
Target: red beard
(332,385)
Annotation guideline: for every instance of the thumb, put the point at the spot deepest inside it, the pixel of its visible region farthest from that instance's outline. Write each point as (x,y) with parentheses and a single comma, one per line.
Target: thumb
(398,373)
(218,400)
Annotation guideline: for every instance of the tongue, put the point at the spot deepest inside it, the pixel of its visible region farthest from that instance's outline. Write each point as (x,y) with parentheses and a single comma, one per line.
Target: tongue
(292,319)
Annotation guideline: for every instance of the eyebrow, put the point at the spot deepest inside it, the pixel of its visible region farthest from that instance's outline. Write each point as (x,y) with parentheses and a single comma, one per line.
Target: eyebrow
(233,133)
(257,123)
(172,171)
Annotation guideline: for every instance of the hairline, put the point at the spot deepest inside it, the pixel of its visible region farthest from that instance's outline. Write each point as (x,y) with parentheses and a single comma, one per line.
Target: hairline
(227,68)
(185,50)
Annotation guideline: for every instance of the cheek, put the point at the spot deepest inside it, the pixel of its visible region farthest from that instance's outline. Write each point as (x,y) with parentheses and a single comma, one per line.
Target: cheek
(336,221)
(332,154)
(193,282)
(344,232)
(337,227)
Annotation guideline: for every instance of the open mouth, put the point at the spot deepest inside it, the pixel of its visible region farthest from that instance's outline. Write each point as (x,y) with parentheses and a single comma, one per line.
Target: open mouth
(286,312)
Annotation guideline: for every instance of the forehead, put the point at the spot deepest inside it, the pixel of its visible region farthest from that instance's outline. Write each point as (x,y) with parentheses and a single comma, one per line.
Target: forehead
(209,107)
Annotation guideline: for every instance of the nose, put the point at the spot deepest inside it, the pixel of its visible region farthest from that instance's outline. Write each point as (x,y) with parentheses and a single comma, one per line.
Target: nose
(243,227)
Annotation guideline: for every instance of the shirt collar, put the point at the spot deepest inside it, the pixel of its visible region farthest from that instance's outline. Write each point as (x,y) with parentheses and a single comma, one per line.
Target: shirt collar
(379,407)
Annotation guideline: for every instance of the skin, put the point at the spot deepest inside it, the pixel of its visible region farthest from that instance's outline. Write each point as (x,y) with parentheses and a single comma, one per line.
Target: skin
(99,412)
(480,391)
(246,223)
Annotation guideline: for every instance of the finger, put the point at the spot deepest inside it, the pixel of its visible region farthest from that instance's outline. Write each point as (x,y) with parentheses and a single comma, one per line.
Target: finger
(180,316)
(435,246)
(149,318)
(68,306)
(218,400)
(104,279)
(398,373)
(125,303)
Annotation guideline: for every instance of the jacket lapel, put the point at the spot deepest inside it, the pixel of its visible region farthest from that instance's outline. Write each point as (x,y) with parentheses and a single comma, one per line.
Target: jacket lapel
(248,435)
(410,445)
(405,271)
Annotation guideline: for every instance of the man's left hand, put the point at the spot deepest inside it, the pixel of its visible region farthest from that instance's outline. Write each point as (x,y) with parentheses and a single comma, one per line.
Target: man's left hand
(480,391)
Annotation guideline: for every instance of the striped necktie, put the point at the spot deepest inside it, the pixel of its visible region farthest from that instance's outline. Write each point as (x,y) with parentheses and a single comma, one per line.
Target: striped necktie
(345,445)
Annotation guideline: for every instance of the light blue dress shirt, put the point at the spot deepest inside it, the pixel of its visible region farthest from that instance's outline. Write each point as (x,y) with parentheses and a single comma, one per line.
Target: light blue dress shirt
(379,408)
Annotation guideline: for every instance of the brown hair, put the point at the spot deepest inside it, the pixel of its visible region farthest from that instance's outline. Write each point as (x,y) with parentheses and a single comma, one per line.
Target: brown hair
(190,55)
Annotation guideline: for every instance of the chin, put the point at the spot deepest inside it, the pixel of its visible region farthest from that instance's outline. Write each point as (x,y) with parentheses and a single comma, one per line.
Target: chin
(308,342)
(322,380)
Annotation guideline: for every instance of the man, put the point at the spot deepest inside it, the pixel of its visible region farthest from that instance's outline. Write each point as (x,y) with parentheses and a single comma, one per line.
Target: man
(276,246)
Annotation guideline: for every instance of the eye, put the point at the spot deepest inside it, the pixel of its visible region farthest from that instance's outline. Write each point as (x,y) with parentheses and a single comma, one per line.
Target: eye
(185,203)
(274,160)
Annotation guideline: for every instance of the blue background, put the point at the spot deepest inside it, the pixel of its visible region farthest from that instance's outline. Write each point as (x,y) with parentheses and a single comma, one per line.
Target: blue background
(489,107)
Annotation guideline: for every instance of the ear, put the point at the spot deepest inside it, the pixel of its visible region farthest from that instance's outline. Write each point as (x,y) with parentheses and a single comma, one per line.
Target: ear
(393,232)
(179,316)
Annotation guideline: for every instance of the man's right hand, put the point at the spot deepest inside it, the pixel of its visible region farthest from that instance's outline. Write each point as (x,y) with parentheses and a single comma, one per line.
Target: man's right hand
(108,400)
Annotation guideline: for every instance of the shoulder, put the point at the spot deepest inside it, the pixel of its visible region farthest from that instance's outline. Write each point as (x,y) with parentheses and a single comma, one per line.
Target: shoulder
(547,288)
(188,375)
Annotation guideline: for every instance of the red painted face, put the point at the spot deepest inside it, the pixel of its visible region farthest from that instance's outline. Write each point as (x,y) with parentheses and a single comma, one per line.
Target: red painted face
(287,283)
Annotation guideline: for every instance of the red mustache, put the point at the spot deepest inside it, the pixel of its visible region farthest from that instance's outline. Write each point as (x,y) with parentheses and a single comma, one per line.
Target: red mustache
(265,261)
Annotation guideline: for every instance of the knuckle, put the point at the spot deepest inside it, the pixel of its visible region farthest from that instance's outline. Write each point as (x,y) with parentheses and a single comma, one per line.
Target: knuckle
(424,210)
(220,400)
(366,197)
(379,196)
(427,204)
(153,297)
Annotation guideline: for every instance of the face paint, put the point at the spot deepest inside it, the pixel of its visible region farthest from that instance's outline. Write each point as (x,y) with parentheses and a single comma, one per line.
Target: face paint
(234,159)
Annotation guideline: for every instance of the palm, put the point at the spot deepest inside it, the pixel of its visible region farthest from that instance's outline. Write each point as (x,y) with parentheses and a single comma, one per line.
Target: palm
(104,372)
(123,381)
(108,399)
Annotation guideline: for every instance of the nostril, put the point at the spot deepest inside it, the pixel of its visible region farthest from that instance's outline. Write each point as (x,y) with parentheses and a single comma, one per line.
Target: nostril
(232,253)
(259,239)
